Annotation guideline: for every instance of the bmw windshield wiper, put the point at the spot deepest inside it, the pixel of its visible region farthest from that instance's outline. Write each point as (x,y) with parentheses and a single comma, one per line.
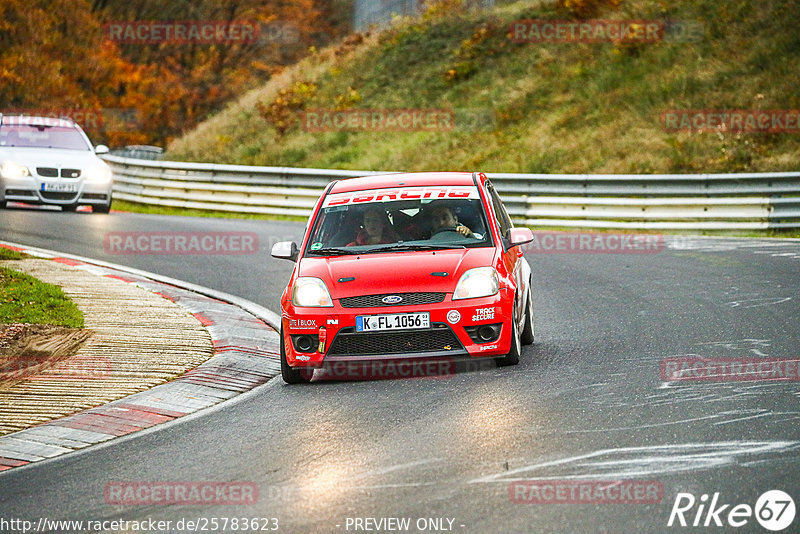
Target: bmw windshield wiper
(331,251)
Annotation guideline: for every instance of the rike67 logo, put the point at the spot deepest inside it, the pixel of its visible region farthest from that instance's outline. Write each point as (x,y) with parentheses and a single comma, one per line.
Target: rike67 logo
(774,510)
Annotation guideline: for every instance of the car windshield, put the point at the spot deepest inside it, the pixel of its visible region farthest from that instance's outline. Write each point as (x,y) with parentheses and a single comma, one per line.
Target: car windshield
(387,220)
(42,136)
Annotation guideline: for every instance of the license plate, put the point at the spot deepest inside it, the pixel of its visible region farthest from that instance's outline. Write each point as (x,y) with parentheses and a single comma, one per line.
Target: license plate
(394,321)
(59,187)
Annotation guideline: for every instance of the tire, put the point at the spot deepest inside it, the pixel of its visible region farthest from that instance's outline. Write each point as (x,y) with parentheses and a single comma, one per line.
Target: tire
(3,204)
(105,208)
(289,374)
(69,207)
(527,330)
(512,358)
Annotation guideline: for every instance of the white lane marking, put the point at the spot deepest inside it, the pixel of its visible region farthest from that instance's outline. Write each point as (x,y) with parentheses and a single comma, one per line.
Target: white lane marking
(637,427)
(397,467)
(765,414)
(747,415)
(632,462)
(406,485)
(756,303)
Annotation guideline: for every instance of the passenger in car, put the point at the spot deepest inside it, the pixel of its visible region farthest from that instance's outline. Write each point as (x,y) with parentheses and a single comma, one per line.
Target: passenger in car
(376,229)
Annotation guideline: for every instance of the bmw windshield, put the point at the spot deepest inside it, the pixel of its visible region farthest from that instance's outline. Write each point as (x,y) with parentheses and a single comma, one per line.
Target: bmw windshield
(42,136)
(398,219)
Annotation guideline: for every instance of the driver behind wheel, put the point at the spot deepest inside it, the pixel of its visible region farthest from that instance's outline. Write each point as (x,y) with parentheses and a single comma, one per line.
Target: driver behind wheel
(443,219)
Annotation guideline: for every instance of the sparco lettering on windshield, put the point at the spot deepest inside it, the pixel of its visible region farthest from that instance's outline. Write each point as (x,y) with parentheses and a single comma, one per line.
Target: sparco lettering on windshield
(408,193)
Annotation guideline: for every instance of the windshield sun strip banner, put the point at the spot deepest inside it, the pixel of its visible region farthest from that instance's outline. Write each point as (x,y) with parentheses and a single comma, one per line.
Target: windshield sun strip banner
(394,194)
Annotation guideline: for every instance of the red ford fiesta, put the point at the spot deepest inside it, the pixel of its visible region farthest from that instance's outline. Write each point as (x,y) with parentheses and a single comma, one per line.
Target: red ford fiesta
(397,266)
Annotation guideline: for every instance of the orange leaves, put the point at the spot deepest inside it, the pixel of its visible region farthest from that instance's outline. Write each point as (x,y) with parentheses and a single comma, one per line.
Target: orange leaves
(284,111)
(57,55)
(586,8)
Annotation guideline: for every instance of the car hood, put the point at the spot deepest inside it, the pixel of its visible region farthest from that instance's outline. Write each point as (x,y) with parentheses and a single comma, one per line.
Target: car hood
(395,272)
(50,157)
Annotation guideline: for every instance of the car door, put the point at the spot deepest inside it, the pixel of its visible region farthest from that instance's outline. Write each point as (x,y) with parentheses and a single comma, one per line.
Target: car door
(513,259)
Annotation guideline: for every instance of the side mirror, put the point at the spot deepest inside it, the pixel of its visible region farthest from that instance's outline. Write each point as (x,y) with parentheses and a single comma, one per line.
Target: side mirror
(101,149)
(519,236)
(285,250)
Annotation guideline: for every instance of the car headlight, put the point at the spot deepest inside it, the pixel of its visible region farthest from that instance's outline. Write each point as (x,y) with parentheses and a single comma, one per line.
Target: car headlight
(309,291)
(478,282)
(14,170)
(98,173)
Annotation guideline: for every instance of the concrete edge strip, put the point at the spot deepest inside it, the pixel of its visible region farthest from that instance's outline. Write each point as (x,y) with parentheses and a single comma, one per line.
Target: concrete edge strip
(246,346)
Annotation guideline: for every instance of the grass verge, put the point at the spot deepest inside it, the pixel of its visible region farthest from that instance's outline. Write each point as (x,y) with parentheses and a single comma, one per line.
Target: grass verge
(528,107)
(133,207)
(24,299)
(8,254)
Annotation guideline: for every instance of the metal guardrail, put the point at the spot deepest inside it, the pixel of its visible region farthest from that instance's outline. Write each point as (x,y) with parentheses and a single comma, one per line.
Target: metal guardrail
(139,152)
(753,201)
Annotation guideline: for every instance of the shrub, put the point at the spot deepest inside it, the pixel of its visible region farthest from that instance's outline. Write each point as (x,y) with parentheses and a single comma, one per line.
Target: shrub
(586,8)
(283,112)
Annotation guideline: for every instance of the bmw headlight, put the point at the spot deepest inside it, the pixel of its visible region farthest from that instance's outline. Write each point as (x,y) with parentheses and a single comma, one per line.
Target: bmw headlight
(14,170)
(98,173)
(478,282)
(309,291)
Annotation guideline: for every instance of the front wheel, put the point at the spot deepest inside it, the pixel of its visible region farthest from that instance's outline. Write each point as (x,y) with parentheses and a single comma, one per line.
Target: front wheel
(105,208)
(527,330)
(289,374)
(512,358)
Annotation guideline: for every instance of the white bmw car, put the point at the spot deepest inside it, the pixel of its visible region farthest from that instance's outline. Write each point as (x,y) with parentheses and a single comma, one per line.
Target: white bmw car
(51,161)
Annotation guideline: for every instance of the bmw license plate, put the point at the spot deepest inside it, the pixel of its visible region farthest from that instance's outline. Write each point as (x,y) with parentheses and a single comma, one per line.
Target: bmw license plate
(394,321)
(59,187)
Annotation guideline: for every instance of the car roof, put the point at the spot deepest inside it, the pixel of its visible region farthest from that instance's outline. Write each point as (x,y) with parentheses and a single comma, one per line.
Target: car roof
(416,179)
(30,120)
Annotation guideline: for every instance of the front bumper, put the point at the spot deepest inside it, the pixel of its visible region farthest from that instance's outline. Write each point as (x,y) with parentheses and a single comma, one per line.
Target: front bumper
(29,190)
(317,336)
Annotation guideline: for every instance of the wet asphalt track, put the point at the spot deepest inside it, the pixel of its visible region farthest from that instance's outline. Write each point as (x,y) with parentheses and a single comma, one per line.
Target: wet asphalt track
(586,402)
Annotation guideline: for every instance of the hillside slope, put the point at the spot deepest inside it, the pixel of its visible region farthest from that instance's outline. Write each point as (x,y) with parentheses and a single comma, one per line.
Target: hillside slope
(530,107)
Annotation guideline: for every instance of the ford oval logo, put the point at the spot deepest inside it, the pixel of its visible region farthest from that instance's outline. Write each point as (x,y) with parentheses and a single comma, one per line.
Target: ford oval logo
(392,299)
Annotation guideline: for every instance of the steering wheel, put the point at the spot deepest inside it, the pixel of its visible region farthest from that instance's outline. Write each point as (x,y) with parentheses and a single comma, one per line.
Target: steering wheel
(446,234)
(453,229)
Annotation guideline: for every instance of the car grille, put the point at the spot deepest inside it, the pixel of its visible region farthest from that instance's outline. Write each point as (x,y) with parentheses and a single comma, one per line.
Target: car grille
(52,172)
(51,195)
(374,301)
(436,339)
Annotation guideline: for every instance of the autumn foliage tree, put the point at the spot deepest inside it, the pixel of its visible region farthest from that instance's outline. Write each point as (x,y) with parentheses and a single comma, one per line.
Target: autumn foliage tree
(58,55)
